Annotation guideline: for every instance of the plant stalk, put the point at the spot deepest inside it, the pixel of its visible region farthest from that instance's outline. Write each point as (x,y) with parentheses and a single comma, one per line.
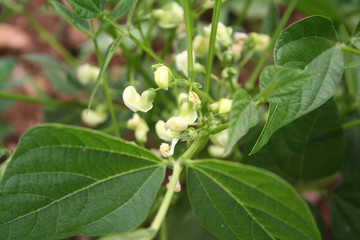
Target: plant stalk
(190,61)
(346,48)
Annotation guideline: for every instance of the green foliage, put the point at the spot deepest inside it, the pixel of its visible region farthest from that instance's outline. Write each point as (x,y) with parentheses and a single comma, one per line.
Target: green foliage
(355,40)
(86,183)
(71,18)
(351,166)
(243,116)
(87,9)
(309,44)
(308,149)
(237,202)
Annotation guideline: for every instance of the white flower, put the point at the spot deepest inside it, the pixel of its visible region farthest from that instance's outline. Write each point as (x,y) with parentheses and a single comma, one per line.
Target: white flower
(93,118)
(139,125)
(136,102)
(170,16)
(133,122)
(223,34)
(225,105)
(87,74)
(201,45)
(162,77)
(184,117)
(182,62)
(165,133)
(194,99)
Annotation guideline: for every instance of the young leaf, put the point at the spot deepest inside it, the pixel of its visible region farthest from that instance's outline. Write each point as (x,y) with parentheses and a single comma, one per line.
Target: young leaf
(310,44)
(278,84)
(65,181)
(88,8)
(234,201)
(243,116)
(308,149)
(355,40)
(71,18)
(345,210)
(109,53)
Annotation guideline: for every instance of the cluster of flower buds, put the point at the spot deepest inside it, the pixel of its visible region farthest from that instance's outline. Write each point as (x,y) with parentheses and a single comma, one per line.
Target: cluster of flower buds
(219,140)
(87,74)
(258,42)
(240,39)
(223,34)
(223,106)
(92,118)
(140,127)
(169,16)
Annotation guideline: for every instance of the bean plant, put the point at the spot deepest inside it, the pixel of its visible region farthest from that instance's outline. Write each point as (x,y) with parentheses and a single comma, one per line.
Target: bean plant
(208,156)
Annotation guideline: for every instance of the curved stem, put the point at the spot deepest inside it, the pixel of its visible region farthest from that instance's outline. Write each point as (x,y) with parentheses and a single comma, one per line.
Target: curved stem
(209,62)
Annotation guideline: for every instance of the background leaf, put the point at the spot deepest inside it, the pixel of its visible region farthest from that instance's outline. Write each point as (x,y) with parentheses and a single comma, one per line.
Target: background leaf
(308,149)
(88,8)
(243,116)
(309,44)
(71,18)
(345,210)
(356,36)
(7,65)
(278,83)
(271,20)
(65,181)
(238,202)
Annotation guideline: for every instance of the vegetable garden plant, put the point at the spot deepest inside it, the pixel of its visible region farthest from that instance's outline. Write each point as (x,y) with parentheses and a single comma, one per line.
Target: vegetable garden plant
(234,155)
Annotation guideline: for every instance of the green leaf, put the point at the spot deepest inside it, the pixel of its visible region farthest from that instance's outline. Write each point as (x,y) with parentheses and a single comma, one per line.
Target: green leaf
(109,53)
(243,116)
(271,20)
(355,40)
(320,7)
(278,84)
(71,18)
(65,181)
(353,64)
(61,76)
(310,44)
(7,65)
(88,8)
(119,10)
(234,201)
(351,166)
(345,210)
(308,149)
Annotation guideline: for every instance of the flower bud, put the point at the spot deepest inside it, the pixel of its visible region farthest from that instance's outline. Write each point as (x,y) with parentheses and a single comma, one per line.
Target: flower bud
(181,97)
(165,150)
(220,138)
(170,16)
(165,133)
(162,77)
(223,34)
(136,102)
(258,42)
(194,99)
(214,107)
(182,62)
(240,37)
(217,151)
(133,122)
(93,118)
(201,46)
(225,105)
(87,74)
(141,131)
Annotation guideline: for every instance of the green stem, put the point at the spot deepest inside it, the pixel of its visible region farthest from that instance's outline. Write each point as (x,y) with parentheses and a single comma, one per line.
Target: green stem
(160,216)
(190,62)
(351,124)
(163,232)
(209,62)
(350,49)
(220,128)
(43,33)
(131,13)
(106,88)
(44,101)
(252,79)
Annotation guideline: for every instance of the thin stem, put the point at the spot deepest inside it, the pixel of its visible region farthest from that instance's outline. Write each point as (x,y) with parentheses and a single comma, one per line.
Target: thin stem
(131,13)
(106,89)
(163,231)
(346,48)
(160,216)
(44,101)
(220,128)
(190,62)
(252,79)
(209,62)
(43,33)
(351,124)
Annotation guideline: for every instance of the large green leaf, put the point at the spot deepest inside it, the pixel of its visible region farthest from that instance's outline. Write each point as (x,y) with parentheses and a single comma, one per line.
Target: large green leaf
(88,8)
(65,181)
(308,149)
(234,201)
(71,18)
(310,44)
(345,210)
(278,84)
(243,116)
